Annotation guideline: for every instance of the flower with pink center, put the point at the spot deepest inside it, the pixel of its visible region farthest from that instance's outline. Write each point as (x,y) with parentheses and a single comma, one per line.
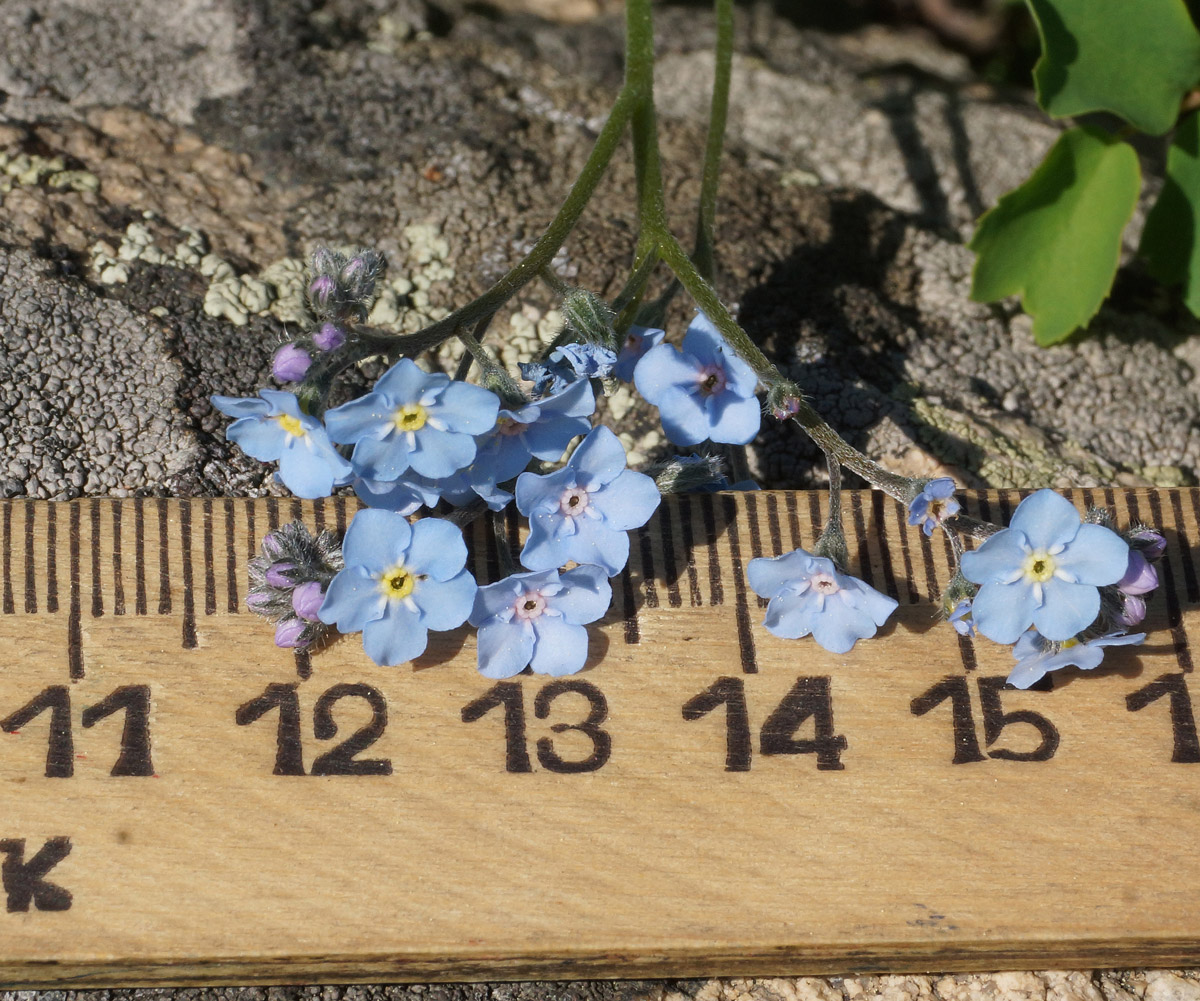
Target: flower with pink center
(584,511)
(809,595)
(704,391)
(538,619)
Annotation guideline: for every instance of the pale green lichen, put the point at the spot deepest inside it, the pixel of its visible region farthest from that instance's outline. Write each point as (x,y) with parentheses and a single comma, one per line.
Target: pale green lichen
(29,170)
(1003,456)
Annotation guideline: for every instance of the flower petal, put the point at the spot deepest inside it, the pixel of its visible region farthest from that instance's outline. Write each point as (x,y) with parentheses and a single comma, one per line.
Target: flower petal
(734,420)
(406,382)
(1003,611)
(628,501)
(1046,519)
(261,438)
(503,649)
(595,542)
(437,549)
(367,417)
(998,559)
(1097,555)
(599,459)
(840,625)
(304,471)
(445,604)
(1066,610)
(235,406)
(440,453)
(560,647)
(790,616)
(353,600)
(586,595)
(376,540)
(396,638)
(381,459)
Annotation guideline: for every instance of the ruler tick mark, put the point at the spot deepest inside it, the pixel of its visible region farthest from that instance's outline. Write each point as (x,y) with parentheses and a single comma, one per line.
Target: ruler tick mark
(139,555)
(9,605)
(164,559)
(1185,549)
(272,513)
(716,592)
(755,537)
(97,591)
(649,592)
(1174,613)
(906,552)
(52,558)
(885,553)
(210,573)
(74,626)
(189,597)
(118,584)
(232,605)
(30,579)
(689,547)
(744,627)
(816,521)
(793,514)
(670,567)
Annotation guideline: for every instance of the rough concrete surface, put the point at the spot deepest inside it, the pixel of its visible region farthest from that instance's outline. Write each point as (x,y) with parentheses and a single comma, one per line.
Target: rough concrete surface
(163,179)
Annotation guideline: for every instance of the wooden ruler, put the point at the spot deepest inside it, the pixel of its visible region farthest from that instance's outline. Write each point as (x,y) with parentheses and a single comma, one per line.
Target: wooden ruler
(180,802)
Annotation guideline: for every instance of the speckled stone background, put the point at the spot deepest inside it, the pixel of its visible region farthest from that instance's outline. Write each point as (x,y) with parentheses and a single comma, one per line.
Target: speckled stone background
(162,180)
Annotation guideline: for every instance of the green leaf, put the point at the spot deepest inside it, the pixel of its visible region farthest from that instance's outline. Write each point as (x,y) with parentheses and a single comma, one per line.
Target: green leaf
(1170,243)
(1135,58)
(1055,241)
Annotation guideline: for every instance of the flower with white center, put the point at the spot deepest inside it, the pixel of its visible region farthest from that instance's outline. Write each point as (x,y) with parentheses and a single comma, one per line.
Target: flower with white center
(274,428)
(1036,656)
(933,505)
(413,420)
(1045,570)
(537,619)
(400,581)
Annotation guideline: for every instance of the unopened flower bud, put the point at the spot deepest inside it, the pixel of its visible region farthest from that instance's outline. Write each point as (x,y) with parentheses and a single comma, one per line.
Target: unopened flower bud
(590,317)
(256,600)
(324,262)
(329,337)
(1140,577)
(320,291)
(290,633)
(290,363)
(277,574)
(306,600)
(1148,542)
(1133,611)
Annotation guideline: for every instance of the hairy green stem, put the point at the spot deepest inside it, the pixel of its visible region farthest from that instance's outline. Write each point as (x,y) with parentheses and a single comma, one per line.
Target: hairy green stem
(722,72)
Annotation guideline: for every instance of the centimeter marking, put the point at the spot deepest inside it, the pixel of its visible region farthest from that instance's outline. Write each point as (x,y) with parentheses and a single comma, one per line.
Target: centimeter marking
(192,554)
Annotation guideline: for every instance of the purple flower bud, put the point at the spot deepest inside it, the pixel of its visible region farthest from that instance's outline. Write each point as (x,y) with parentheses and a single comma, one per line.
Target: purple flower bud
(353,268)
(323,261)
(1133,612)
(329,337)
(1140,577)
(271,544)
(321,289)
(290,363)
(306,600)
(256,600)
(289,633)
(277,574)
(1149,543)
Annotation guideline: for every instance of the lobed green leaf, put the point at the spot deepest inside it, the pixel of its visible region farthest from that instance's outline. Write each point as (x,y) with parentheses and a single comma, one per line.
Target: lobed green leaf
(1169,242)
(1056,240)
(1135,58)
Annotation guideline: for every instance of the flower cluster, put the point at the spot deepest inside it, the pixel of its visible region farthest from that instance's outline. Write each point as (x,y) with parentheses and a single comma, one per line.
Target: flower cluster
(1059,587)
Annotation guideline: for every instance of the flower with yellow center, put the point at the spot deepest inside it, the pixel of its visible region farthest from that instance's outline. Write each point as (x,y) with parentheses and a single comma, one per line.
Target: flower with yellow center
(291,425)
(397,583)
(410,417)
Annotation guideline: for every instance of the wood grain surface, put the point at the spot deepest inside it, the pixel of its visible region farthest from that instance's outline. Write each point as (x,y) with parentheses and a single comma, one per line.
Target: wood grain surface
(181,802)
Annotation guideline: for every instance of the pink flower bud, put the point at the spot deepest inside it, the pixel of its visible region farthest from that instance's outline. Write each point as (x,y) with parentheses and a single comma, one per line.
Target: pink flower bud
(290,363)
(1150,543)
(1133,612)
(289,632)
(321,289)
(1140,577)
(277,574)
(329,337)
(306,600)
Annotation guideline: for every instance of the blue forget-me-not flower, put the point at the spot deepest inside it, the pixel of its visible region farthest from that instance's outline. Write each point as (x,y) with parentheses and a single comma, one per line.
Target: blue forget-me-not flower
(1036,657)
(704,391)
(1045,570)
(933,505)
(538,619)
(400,581)
(583,511)
(274,428)
(542,430)
(413,420)
(808,594)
